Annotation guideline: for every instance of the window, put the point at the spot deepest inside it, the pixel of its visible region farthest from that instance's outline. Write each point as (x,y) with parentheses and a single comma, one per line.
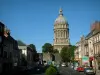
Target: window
(5,54)
(0,51)
(10,55)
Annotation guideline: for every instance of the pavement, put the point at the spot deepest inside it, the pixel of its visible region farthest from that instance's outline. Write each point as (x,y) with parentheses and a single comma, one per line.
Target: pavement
(98,72)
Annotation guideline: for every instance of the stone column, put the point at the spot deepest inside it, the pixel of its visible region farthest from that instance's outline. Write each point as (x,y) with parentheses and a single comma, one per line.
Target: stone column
(65,33)
(57,33)
(54,34)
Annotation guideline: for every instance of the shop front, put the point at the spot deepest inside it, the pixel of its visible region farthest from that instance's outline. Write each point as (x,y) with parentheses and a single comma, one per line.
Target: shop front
(85,61)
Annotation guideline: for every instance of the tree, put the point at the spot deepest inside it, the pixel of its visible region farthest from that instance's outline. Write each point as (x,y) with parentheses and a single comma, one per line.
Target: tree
(33,47)
(55,51)
(51,70)
(47,47)
(65,55)
(71,50)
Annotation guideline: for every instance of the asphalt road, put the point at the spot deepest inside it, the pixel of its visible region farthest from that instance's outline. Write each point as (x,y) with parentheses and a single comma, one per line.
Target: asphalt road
(63,71)
(69,71)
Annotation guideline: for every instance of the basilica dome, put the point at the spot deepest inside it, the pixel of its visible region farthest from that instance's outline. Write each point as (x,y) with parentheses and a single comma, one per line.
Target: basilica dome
(60,19)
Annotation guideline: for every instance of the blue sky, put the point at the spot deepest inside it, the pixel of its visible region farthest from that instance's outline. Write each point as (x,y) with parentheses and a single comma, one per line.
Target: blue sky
(32,21)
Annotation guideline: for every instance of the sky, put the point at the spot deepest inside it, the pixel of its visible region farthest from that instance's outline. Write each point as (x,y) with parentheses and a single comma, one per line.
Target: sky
(32,21)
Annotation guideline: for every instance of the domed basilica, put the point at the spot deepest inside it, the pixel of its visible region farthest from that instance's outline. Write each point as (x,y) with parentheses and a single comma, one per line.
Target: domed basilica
(61,32)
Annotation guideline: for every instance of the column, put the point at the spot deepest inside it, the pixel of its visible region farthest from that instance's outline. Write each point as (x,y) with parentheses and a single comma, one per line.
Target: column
(54,34)
(63,34)
(57,33)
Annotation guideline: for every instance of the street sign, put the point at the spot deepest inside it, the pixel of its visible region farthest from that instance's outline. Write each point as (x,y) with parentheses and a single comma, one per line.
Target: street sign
(85,59)
(49,62)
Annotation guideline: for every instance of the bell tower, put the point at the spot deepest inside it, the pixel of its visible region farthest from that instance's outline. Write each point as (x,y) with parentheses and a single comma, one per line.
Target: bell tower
(61,32)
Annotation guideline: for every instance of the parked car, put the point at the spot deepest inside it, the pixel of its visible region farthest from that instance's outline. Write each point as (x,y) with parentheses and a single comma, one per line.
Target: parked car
(89,71)
(75,67)
(72,66)
(63,64)
(80,69)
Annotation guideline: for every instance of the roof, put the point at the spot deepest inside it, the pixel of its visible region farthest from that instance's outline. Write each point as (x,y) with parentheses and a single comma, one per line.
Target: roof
(20,43)
(92,33)
(61,19)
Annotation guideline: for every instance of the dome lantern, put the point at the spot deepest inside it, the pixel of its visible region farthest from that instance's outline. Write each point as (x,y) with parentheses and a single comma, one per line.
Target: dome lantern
(60,11)
(60,19)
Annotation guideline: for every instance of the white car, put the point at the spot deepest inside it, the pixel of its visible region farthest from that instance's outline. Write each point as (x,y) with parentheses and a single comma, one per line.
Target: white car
(63,64)
(72,66)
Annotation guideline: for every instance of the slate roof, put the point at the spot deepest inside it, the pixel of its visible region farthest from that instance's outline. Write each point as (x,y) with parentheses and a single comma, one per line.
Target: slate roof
(20,43)
(92,33)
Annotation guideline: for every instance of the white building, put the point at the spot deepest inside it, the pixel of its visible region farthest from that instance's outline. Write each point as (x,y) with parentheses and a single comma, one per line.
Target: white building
(23,50)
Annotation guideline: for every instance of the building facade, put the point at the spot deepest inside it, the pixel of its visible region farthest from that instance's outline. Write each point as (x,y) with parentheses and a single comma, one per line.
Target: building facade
(23,53)
(9,49)
(61,32)
(30,56)
(1,44)
(89,47)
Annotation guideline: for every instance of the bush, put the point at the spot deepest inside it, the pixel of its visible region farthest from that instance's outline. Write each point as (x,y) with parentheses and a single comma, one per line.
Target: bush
(51,71)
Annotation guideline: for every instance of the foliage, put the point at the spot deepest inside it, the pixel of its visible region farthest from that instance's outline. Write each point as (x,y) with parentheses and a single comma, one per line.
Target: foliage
(47,47)
(33,47)
(65,55)
(55,51)
(71,49)
(51,71)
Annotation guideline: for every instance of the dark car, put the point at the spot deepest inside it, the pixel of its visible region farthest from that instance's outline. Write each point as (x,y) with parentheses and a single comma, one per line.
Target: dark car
(89,71)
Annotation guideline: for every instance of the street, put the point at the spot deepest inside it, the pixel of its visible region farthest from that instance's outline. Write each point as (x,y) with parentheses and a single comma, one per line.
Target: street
(66,71)
(69,71)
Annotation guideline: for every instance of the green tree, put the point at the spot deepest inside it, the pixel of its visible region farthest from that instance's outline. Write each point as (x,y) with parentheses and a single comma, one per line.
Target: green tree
(71,50)
(65,55)
(33,47)
(55,51)
(47,47)
(51,71)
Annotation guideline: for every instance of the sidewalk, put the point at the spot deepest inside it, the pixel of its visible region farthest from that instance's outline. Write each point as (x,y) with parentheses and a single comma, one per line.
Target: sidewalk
(98,72)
